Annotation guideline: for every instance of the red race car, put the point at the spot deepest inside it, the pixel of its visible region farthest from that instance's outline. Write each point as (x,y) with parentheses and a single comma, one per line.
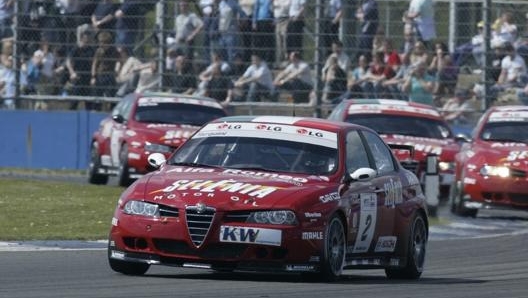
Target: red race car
(491,168)
(408,123)
(141,124)
(276,194)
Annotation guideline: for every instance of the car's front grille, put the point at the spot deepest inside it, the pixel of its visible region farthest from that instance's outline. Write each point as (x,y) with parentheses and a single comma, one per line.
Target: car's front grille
(241,216)
(199,222)
(167,211)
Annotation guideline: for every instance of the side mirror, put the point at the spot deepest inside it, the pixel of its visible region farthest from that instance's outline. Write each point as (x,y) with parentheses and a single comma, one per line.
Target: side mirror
(363,174)
(118,118)
(462,138)
(155,160)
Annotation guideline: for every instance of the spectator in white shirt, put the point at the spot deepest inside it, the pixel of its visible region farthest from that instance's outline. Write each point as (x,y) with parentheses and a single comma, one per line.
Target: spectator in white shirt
(296,78)
(255,84)
(513,72)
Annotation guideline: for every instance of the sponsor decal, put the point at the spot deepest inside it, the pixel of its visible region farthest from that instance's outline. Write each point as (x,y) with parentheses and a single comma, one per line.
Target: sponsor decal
(268,127)
(177,134)
(394,262)
(471,181)
(517,155)
(117,255)
(300,267)
(393,193)
(249,235)
(312,236)
(500,145)
(367,222)
(134,156)
(411,178)
(386,244)
(314,259)
(254,174)
(270,131)
(312,214)
(130,133)
(211,186)
(190,170)
(115,221)
(508,116)
(329,197)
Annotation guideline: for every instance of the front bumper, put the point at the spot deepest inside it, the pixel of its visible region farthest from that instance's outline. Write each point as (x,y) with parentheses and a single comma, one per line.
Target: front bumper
(496,192)
(168,242)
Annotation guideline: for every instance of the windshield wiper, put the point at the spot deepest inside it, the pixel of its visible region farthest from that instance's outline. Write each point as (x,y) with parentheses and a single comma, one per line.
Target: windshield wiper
(254,168)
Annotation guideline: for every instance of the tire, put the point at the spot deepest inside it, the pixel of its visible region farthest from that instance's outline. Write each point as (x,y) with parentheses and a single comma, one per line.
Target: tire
(457,204)
(95,164)
(415,258)
(123,174)
(128,268)
(334,252)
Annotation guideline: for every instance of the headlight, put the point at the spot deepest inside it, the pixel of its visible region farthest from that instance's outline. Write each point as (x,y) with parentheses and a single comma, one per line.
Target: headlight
(277,217)
(141,208)
(157,148)
(446,166)
(503,172)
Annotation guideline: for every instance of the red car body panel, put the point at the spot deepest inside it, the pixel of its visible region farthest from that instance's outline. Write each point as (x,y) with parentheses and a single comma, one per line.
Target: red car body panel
(491,190)
(445,148)
(231,194)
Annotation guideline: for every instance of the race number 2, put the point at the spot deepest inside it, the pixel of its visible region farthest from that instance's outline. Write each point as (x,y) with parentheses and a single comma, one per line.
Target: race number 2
(367,222)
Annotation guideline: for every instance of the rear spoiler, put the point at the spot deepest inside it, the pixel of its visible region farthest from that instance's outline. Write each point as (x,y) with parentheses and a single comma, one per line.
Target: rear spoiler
(409,148)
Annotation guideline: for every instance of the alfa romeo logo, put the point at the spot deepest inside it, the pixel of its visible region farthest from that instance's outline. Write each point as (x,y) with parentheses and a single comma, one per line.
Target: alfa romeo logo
(201,207)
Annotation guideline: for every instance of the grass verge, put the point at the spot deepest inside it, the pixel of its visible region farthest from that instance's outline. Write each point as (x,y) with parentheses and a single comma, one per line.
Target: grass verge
(44,210)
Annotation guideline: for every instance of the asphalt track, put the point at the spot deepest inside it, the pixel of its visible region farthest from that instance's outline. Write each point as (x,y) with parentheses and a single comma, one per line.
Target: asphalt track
(482,257)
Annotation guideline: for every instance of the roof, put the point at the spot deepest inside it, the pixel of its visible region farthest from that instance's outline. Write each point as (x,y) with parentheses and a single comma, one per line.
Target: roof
(309,122)
(390,106)
(183,98)
(508,113)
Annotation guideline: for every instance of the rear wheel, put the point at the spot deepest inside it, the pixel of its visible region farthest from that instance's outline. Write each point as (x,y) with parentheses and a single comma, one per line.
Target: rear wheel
(93,168)
(415,252)
(123,173)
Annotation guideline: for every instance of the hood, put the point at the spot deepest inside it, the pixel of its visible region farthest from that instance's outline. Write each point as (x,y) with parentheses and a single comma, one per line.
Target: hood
(500,153)
(444,148)
(228,189)
(166,134)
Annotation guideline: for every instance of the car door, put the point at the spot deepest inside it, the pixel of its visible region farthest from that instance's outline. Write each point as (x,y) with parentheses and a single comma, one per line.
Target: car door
(374,212)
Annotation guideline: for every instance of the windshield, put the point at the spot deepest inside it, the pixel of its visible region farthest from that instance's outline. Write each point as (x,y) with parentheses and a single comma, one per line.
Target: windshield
(505,132)
(403,125)
(177,113)
(258,154)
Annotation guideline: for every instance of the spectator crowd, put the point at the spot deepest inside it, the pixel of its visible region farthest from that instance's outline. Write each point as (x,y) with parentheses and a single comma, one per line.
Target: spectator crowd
(244,51)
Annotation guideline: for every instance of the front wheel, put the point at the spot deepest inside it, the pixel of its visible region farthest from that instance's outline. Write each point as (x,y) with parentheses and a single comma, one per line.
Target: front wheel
(93,168)
(415,253)
(457,203)
(334,251)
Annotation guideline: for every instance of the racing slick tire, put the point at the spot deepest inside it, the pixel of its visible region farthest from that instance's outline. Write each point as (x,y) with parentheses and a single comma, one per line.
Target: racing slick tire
(128,268)
(415,254)
(334,252)
(95,164)
(457,204)
(123,174)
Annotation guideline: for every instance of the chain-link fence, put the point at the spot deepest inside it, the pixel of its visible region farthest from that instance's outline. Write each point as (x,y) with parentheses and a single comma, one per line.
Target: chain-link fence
(92,52)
